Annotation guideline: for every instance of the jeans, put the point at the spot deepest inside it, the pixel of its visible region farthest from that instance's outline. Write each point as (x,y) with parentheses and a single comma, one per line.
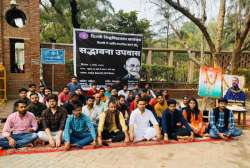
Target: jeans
(21,140)
(235,132)
(80,139)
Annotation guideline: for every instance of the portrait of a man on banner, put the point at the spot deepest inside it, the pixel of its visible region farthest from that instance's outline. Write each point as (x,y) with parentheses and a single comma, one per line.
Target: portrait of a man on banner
(233,89)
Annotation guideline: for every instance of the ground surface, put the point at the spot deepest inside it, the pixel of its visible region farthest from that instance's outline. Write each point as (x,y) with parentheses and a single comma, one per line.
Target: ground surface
(234,154)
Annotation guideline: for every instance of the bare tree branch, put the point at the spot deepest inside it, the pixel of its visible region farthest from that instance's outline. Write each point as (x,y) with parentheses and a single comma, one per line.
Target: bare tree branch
(246,45)
(44,6)
(191,57)
(196,21)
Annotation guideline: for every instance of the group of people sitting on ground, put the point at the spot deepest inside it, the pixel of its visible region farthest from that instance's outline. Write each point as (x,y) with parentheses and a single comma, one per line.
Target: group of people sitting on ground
(104,115)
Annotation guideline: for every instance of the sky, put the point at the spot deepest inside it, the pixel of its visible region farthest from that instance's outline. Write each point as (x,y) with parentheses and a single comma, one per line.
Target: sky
(148,10)
(143,7)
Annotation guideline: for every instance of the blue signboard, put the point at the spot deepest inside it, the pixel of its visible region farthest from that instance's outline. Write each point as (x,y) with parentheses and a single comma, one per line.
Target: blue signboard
(52,56)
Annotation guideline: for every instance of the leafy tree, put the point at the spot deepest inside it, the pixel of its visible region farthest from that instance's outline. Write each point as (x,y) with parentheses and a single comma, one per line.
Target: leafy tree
(242,26)
(128,22)
(59,17)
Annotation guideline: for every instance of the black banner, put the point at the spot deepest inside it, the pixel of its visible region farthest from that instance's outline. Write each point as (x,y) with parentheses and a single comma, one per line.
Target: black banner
(107,58)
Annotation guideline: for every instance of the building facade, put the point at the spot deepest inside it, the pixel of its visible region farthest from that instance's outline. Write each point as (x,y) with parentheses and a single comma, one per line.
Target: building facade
(20,43)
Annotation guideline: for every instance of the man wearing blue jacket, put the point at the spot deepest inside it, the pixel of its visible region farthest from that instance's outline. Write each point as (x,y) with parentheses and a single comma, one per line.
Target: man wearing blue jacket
(173,123)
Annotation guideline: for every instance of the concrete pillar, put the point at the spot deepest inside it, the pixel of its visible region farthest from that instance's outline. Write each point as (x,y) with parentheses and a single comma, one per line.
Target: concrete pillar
(191,70)
(149,57)
(171,58)
(149,62)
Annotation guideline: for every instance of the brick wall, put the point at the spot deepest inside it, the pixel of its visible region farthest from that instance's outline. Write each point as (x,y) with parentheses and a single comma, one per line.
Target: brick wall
(30,33)
(1,31)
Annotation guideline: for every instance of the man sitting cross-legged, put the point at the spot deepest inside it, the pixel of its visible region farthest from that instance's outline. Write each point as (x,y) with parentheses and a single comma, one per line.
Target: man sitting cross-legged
(19,128)
(53,120)
(222,122)
(173,122)
(79,130)
(139,124)
(112,126)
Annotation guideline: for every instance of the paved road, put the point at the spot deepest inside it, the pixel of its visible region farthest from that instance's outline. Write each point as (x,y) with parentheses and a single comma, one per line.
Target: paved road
(235,154)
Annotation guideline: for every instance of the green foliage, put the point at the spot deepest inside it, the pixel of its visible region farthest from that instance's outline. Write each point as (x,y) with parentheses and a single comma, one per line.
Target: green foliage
(191,34)
(158,72)
(93,14)
(56,20)
(245,72)
(128,22)
(237,11)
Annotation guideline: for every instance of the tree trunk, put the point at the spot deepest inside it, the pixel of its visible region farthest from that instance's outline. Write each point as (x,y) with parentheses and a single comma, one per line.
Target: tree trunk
(220,26)
(203,19)
(240,38)
(235,63)
(74,14)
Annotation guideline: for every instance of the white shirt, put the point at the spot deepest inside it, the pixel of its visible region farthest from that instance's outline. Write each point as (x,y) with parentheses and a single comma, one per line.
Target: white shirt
(100,107)
(41,97)
(93,113)
(122,92)
(151,93)
(141,121)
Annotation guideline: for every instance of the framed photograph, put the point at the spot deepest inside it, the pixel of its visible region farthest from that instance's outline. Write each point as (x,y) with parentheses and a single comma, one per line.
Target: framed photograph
(233,88)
